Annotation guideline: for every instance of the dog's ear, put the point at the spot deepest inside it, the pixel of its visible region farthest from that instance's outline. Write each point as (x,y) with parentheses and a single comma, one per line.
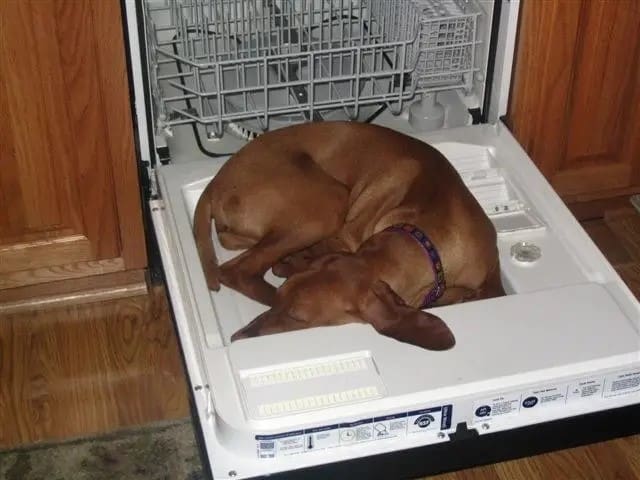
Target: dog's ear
(392,317)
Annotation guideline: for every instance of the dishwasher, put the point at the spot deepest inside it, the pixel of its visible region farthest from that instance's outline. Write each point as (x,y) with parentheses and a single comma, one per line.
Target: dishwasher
(554,363)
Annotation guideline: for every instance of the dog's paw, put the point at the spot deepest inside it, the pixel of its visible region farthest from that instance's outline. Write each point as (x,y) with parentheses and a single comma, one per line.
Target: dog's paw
(213,284)
(292,264)
(282,270)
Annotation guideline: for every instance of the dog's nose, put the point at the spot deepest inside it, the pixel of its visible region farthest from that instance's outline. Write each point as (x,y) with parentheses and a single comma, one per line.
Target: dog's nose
(245,332)
(237,336)
(253,329)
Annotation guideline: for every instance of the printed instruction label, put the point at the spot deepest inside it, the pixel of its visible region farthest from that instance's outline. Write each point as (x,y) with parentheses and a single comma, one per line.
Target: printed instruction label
(497,406)
(585,390)
(323,437)
(397,425)
(286,443)
(545,397)
(622,383)
(390,426)
(356,432)
(558,395)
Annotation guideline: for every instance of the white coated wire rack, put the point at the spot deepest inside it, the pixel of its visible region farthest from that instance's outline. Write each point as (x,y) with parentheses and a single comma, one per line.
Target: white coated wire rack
(219,61)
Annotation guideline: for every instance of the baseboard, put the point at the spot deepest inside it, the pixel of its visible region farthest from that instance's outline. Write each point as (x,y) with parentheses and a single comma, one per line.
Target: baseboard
(74,291)
(635,201)
(61,273)
(593,209)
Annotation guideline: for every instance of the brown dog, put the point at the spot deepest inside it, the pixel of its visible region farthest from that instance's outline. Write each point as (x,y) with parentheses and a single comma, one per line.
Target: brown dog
(316,201)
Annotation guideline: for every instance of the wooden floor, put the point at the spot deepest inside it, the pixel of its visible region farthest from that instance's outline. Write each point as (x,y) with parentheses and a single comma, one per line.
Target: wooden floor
(77,370)
(85,369)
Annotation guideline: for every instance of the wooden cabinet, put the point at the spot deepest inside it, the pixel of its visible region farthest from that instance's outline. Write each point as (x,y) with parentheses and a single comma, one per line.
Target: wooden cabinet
(575,101)
(69,196)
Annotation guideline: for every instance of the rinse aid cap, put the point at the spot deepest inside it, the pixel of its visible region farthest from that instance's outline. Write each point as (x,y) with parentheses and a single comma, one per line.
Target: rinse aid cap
(525,252)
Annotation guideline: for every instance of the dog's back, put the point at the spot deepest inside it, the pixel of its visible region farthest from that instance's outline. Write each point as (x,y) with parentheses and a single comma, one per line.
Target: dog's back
(299,185)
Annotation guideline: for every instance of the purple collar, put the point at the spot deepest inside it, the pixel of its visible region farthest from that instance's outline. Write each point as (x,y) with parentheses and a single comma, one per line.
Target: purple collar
(427,245)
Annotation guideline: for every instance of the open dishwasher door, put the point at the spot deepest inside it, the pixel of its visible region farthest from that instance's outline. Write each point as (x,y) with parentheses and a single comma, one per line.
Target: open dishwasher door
(565,341)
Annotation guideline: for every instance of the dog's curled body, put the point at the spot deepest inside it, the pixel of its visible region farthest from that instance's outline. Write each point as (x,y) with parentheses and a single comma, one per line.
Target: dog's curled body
(313,202)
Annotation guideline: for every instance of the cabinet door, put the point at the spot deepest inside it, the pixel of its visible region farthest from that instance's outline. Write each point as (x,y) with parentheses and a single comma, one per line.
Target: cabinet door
(575,103)
(69,196)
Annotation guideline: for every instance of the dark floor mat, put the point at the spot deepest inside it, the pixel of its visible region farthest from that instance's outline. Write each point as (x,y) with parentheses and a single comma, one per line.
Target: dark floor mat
(165,451)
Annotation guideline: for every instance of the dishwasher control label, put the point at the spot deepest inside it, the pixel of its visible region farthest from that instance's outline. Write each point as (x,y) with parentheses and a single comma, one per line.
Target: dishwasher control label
(322,438)
(356,432)
(622,383)
(585,390)
(284,444)
(559,395)
(544,397)
(497,406)
(397,425)
(390,426)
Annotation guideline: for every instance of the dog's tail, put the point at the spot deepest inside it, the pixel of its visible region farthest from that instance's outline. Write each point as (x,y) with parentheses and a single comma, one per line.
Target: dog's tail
(202,220)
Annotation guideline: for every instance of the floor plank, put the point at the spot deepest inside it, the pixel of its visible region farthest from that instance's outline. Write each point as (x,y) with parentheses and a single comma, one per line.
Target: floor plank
(608,242)
(631,445)
(89,368)
(625,224)
(615,459)
(631,275)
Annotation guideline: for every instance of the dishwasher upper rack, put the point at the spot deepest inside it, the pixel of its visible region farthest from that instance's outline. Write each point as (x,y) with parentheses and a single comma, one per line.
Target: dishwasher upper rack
(218,61)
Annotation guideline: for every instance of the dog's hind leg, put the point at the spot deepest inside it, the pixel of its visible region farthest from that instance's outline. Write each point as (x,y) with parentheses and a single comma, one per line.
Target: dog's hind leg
(245,273)
(301,226)
(299,206)
(300,260)
(492,286)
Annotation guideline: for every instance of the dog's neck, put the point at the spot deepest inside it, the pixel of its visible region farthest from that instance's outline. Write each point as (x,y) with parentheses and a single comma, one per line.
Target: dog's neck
(391,257)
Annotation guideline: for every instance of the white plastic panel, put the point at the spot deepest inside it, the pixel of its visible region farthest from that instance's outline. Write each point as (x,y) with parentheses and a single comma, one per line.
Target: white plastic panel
(496,339)
(504,203)
(569,315)
(315,384)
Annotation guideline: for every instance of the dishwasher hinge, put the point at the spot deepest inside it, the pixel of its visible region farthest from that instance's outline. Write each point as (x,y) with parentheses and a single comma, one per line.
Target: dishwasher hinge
(154,193)
(162,149)
(208,399)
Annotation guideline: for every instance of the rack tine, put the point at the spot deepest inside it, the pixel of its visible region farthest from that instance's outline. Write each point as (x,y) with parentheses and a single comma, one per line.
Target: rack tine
(246,26)
(270,33)
(321,23)
(195,19)
(223,33)
(229,27)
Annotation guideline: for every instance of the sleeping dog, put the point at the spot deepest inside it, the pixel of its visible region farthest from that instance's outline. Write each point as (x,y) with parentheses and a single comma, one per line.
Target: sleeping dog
(366,224)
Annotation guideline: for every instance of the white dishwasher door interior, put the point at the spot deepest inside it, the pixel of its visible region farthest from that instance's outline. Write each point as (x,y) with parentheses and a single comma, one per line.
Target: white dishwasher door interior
(567,316)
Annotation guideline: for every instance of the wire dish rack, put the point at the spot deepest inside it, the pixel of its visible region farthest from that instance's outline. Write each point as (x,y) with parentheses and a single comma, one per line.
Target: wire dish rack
(213,62)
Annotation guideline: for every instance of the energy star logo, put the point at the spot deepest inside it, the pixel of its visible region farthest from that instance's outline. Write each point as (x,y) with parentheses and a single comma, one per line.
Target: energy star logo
(423,421)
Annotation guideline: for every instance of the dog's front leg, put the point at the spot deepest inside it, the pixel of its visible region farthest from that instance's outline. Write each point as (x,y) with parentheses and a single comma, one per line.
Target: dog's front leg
(245,273)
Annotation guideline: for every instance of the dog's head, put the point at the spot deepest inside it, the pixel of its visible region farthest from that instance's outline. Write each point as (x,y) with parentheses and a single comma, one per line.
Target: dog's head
(337,289)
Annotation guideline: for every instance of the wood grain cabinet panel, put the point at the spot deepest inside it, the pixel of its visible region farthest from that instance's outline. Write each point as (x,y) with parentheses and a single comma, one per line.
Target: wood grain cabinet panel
(575,103)
(69,195)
